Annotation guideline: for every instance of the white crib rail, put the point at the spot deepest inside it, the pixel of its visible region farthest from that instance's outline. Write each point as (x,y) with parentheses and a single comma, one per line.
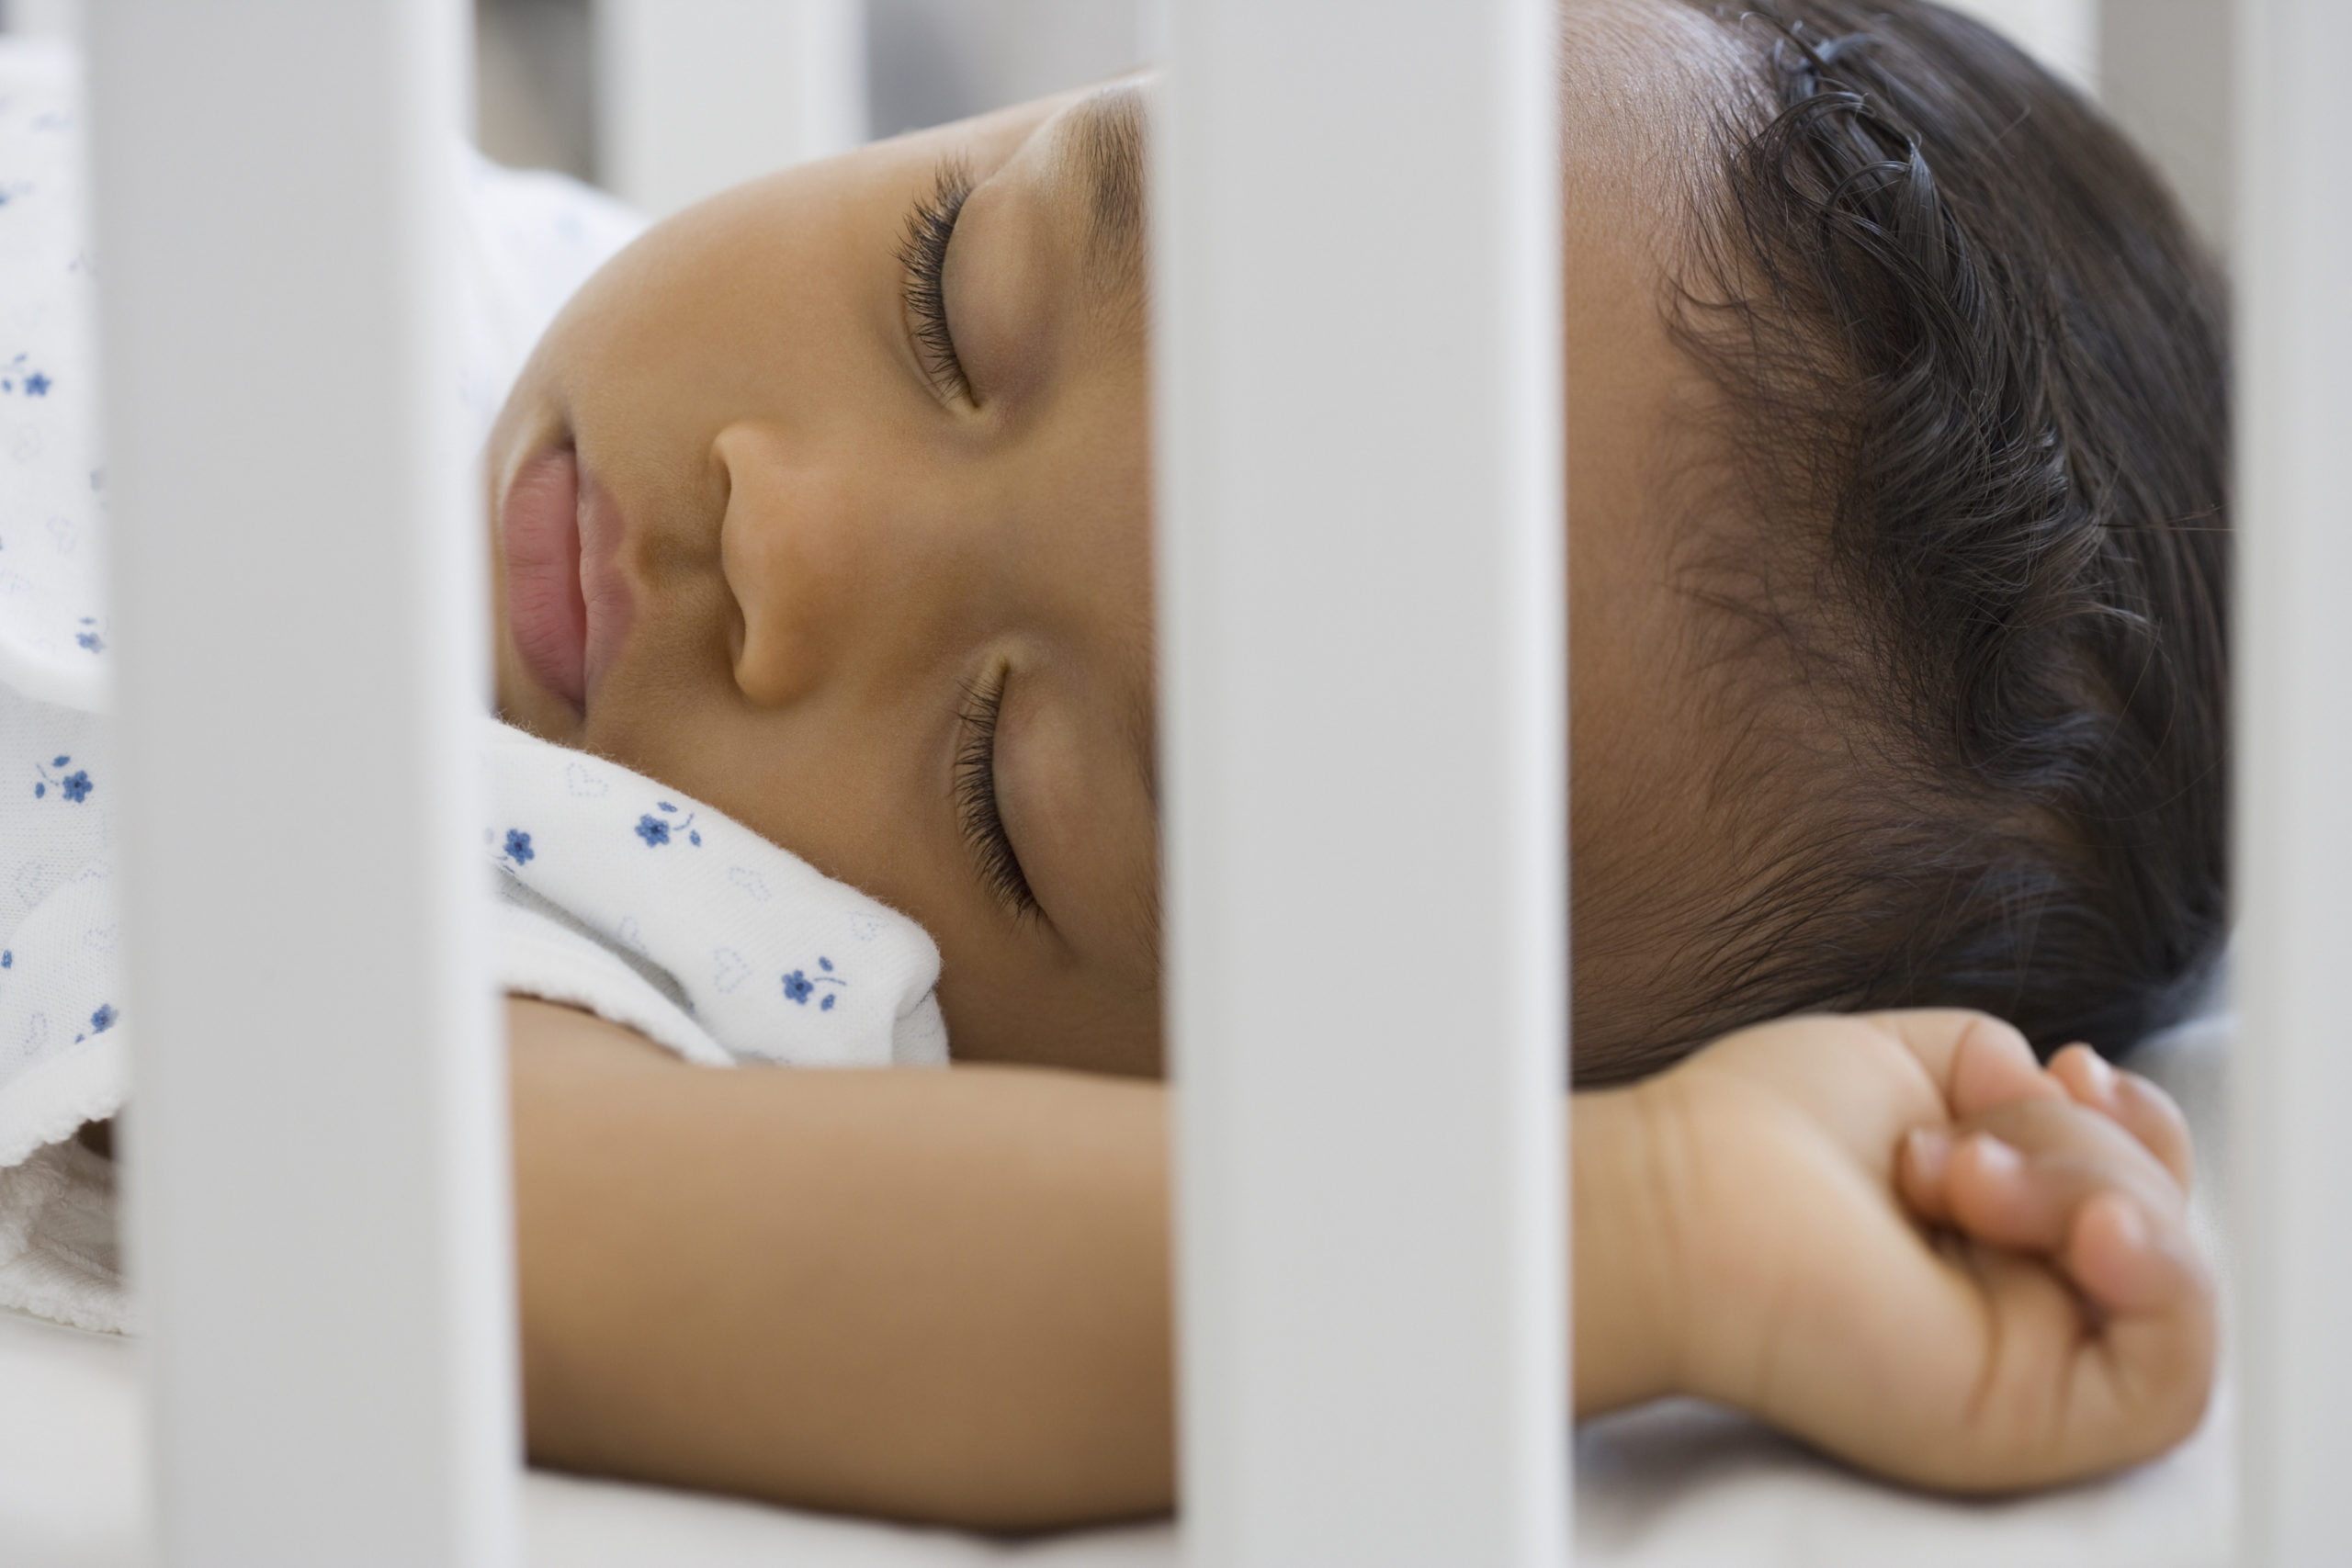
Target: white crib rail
(316,1154)
(2294,1060)
(1362,634)
(694,95)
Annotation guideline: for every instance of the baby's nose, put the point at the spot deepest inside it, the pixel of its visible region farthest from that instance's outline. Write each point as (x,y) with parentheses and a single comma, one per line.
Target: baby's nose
(788,546)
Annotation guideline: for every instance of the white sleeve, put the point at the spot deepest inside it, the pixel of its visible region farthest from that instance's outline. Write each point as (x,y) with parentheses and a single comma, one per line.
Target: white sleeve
(540,955)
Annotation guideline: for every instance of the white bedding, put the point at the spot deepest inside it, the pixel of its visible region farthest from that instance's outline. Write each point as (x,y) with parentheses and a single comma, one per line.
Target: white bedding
(1674,1486)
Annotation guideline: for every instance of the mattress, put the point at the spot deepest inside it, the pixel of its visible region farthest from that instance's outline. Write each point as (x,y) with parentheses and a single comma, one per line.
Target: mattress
(1673,1485)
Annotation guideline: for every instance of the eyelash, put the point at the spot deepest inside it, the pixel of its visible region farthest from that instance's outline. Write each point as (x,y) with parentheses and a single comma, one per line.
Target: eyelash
(922,251)
(975,804)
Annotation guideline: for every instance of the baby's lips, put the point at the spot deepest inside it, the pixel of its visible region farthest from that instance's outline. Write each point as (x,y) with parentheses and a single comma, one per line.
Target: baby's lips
(545,611)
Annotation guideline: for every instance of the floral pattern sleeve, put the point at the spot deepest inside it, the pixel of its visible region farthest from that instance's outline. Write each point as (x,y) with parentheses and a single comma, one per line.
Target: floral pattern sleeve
(770,959)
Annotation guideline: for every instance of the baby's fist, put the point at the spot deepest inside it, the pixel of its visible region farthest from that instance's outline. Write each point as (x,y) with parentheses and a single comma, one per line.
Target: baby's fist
(2072,1212)
(1910,1244)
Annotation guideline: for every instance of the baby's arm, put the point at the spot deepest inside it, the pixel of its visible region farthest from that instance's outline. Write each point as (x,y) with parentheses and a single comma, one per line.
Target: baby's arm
(930,1295)
(943,1296)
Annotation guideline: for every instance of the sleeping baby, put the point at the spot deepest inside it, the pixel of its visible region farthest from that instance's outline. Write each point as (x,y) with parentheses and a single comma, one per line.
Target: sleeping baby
(820,528)
(1895,432)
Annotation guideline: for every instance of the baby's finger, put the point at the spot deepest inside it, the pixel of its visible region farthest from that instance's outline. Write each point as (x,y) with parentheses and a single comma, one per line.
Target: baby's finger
(1920,1169)
(1976,1060)
(1995,1066)
(2141,1108)
(2051,1192)
(2155,1326)
(2132,1261)
(2154,1118)
(2017,1175)
(2124,1264)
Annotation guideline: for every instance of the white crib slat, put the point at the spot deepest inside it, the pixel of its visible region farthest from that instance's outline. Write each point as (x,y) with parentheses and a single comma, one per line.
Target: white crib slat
(694,95)
(316,1149)
(2294,1068)
(42,18)
(1361,532)
(2165,73)
(2061,34)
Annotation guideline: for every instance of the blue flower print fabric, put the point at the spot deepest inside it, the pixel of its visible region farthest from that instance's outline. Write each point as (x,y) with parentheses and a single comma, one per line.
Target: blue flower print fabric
(524,242)
(654,910)
(64,1056)
(53,631)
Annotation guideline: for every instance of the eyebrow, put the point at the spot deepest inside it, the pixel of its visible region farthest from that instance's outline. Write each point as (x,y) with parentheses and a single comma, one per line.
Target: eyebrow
(1107,141)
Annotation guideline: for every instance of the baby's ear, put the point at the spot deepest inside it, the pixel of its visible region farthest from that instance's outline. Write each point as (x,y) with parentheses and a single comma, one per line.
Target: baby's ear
(1994,1065)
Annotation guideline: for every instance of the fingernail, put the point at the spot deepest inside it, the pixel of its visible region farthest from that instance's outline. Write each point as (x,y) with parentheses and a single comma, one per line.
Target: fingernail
(1930,1153)
(1995,1158)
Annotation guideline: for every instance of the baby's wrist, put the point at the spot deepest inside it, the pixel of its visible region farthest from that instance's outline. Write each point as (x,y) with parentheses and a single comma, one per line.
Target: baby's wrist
(1697,1207)
(1628,1269)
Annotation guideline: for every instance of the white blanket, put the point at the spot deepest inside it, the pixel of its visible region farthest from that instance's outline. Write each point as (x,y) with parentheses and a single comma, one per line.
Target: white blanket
(624,896)
(617,894)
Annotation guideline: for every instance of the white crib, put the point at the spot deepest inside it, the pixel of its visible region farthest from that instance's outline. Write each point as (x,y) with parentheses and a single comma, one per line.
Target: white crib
(1372,1285)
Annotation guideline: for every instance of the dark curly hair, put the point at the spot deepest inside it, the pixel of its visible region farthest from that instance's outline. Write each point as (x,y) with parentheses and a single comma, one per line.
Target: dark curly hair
(1970,547)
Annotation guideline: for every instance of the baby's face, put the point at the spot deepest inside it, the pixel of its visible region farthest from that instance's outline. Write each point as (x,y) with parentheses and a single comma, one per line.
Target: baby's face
(867,543)
(867,561)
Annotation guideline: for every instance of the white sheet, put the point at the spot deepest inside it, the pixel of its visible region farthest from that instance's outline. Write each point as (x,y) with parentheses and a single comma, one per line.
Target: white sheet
(1675,1486)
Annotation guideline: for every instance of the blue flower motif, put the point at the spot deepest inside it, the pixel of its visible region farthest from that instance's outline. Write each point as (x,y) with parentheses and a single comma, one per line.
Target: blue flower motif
(37,385)
(74,786)
(91,640)
(518,846)
(657,830)
(800,986)
(102,1020)
(9,959)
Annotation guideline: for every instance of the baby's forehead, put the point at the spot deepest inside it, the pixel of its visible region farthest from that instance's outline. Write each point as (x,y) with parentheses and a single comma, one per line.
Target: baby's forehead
(1647,88)
(1085,163)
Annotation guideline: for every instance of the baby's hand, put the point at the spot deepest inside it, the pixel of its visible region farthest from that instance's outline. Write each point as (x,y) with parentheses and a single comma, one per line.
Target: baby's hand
(1902,1240)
